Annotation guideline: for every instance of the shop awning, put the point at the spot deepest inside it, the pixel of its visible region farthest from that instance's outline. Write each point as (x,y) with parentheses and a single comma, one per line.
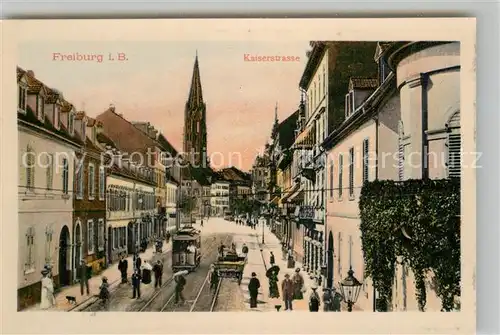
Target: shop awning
(298,195)
(306,139)
(290,192)
(275,200)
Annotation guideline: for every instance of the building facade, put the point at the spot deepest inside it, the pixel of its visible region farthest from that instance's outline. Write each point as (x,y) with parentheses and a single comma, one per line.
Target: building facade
(89,217)
(47,146)
(260,171)
(219,197)
(373,143)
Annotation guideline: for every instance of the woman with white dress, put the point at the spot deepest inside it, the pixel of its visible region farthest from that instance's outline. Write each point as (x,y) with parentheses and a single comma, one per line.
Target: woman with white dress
(48,300)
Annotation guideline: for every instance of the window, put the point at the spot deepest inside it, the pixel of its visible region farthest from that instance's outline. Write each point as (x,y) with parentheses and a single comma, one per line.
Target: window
(351,172)
(48,245)
(90,236)
(29,266)
(84,128)
(65,176)
(401,152)
(91,181)
(349,104)
(341,167)
(324,81)
(319,86)
(102,182)
(365,160)
(30,168)
(49,170)
(331,179)
(116,236)
(56,116)
(40,107)
(94,134)
(100,232)
(21,100)
(79,178)
(454,146)
(71,122)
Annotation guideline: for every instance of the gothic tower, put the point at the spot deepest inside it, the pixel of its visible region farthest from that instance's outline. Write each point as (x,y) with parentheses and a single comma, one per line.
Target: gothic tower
(195,122)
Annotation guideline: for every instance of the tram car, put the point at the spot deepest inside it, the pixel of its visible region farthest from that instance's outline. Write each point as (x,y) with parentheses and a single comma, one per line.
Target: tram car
(231,265)
(186,252)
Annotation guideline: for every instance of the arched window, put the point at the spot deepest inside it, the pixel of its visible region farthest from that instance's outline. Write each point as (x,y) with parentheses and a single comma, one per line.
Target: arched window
(401,151)
(454,146)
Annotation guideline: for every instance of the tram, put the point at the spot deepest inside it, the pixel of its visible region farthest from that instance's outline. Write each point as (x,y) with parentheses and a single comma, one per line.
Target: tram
(186,252)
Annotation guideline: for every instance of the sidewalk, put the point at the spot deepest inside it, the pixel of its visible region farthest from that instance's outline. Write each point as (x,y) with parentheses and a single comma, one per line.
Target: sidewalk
(114,278)
(258,263)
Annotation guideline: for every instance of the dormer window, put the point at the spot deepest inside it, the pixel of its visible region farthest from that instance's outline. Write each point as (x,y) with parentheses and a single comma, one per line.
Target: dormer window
(84,127)
(40,107)
(57,111)
(21,100)
(349,104)
(71,123)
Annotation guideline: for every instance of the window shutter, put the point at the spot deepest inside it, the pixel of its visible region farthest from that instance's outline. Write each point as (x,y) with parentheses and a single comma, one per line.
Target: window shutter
(339,254)
(365,160)
(454,147)
(401,153)
(351,172)
(341,166)
(331,179)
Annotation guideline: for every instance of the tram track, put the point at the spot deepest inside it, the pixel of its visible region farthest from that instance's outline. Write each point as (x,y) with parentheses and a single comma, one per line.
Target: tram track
(204,299)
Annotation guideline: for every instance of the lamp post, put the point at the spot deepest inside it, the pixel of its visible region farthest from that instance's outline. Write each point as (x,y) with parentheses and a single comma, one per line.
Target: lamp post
(350,289)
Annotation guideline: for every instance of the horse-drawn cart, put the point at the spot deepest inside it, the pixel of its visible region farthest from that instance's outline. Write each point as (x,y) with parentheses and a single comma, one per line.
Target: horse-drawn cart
(230,266)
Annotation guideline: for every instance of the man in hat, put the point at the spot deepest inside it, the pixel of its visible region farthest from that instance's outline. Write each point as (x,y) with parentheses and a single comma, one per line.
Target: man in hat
(158,272)
(253,289)
(84,277)
(287,290)
(136,284)
(298,285)
(123,267)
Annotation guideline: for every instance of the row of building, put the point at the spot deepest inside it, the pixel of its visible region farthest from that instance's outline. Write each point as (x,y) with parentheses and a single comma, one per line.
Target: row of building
(368,111)
(93,189)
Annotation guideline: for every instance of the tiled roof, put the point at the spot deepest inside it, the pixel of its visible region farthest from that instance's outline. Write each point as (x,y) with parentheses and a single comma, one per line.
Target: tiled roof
(31,118)
(34,85)
(90,121)
(52,97)
(102,138)
(66,106)
(166,145)
(363,83)
(233,174)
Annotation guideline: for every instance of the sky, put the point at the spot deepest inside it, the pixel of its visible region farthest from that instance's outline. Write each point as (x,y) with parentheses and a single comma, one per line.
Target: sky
(153,85)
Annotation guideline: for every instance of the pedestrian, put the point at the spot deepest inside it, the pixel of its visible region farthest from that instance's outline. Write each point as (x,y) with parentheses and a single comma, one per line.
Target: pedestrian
(213,277)
(314,300)
(180,282)
(271,259)
(327,300)
(136,284)
(336,300)
(253,290)
(244,250)
(233,247)
(298,285)
(221,249)
(287,290)
(84,277)
(137,262)
(158,273)
(123,267)
(273,285)
(104,291)
(47,298)
(202,222)
(168,235)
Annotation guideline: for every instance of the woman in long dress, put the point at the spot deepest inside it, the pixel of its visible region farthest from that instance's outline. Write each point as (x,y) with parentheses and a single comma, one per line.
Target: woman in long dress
(48,300)
(298,285)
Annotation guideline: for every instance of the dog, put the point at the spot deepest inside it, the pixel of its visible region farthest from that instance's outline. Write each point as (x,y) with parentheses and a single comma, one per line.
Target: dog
(71,299)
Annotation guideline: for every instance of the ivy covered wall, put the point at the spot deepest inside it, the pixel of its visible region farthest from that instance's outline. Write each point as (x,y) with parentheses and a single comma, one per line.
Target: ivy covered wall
(420,221)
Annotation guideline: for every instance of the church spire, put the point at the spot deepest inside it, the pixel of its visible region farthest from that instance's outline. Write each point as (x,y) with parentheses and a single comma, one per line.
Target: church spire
(276,122)
(195,95)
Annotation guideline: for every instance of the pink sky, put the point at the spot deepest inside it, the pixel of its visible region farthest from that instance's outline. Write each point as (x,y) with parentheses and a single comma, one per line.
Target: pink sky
(153,86)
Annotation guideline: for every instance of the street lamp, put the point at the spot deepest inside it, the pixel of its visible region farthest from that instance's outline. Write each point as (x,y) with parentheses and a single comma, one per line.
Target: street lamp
(350,289)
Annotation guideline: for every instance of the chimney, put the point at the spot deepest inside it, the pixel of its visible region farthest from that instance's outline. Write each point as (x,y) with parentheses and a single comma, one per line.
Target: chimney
(112,107)
(30,73)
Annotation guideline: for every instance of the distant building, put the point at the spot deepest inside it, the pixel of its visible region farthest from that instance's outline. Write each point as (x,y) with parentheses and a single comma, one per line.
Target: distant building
(240,185)
(219,196)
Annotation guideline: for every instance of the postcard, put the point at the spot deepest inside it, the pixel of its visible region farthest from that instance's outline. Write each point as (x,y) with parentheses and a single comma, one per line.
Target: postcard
(266,168)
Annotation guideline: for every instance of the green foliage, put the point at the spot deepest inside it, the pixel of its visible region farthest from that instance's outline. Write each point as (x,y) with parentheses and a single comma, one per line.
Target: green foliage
(187,204)
(245,205)
(428,211)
